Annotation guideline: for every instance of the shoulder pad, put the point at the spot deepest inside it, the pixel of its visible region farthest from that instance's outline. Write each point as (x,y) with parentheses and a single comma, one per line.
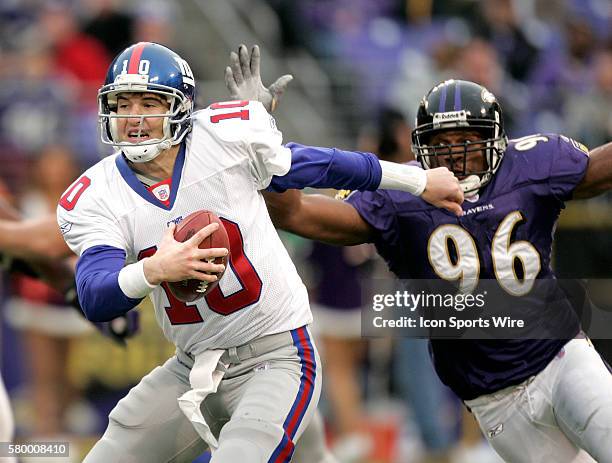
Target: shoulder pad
(232,121)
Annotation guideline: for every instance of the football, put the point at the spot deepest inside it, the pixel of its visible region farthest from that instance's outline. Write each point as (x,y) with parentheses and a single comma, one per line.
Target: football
(192,290)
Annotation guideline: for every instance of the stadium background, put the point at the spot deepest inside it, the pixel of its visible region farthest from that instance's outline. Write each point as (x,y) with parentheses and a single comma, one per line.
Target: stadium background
(360,67)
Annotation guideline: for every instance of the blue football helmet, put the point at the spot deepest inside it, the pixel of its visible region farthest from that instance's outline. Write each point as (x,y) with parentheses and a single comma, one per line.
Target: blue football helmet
(461,105)
(151,68)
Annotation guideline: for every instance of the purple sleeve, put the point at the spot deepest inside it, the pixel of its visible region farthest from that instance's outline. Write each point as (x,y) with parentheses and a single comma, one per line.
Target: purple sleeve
(377,209)
(328,168)
(97,278)
(568,167)
(554,164)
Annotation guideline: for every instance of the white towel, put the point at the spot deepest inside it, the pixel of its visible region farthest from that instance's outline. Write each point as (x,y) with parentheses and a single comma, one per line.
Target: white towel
(204,379)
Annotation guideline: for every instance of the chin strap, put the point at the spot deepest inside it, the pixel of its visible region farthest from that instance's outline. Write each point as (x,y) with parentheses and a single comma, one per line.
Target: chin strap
(145,153)
(470,185)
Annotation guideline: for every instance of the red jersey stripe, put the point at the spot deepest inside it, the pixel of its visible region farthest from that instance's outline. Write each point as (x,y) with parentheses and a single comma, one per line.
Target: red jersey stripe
(135,58)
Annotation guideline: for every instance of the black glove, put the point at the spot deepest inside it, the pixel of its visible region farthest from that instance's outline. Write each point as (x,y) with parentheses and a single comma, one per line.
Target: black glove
(122,328)
(118,329)
(13,265)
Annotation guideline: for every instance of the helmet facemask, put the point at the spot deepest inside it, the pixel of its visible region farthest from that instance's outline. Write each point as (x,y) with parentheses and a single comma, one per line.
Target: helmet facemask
(177,119)
(465,108)
(491,146)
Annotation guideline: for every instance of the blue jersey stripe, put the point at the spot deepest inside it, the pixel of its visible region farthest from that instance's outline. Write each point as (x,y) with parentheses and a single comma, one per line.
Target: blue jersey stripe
(130,178)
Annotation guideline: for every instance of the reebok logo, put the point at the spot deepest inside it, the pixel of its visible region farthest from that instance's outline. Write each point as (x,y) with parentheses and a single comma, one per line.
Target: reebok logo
(65,227)
(496,431)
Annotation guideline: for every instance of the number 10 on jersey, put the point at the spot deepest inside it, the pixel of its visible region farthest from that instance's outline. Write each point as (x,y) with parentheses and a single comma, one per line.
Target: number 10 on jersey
(181,313)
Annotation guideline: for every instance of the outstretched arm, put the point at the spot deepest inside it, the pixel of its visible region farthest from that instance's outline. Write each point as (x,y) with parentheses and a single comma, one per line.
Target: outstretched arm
(39,243)
(598,177)
(33,238)
(332,168)
(36,248)
(30,239)
(317,217)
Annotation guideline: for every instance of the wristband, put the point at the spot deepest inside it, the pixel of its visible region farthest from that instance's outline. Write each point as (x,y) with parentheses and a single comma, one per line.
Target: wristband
(133,282)
(402,177)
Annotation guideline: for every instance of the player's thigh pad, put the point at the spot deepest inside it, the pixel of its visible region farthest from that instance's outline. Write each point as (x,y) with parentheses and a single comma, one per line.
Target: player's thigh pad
(582,398)
(271,399)
(523,414)
(147,425)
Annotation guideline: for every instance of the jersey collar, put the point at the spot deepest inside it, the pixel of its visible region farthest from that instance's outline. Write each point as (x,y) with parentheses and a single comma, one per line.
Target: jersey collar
(130,178)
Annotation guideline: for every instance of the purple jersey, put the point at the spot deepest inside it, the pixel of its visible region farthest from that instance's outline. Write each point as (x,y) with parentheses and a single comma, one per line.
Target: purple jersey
(520,205)
(338,280)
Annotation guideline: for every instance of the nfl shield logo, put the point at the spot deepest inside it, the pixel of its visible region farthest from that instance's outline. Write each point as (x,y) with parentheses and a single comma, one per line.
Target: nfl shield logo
(162,192)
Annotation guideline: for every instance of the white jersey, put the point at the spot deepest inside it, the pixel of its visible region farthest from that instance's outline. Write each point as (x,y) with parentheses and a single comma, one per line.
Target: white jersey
(232,152)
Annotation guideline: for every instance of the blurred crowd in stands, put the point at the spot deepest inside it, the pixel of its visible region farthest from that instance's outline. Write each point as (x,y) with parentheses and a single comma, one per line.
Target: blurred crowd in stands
(53,58)
(549,62)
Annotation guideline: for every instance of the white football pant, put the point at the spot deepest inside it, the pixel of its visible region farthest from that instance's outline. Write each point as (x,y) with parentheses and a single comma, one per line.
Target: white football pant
(561,415)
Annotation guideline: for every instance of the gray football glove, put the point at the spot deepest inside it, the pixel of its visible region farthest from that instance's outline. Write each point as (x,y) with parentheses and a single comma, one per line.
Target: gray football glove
(243,80)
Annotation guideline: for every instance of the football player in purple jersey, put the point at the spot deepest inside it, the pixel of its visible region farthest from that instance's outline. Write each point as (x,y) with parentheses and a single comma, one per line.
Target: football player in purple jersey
(534,399)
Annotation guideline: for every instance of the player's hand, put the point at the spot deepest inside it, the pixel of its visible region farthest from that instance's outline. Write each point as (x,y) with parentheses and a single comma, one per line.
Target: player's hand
(243,80)
(11,265)
(121,328)
(117,330)
(176,261)
(443,190)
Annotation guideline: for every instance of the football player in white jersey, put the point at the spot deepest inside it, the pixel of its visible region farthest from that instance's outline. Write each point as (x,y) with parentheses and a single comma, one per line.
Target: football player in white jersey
(246,377)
